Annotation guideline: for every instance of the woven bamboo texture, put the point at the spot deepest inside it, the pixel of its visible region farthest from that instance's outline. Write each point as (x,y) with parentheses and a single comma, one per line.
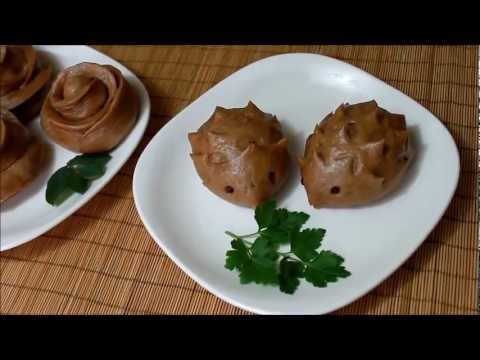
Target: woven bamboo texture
(101,260)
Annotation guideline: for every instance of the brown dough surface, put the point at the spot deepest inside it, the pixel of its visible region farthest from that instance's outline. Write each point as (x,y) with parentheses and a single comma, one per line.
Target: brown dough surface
(22,156)
(355,156)
(241,155)
(90,108)
(24,79)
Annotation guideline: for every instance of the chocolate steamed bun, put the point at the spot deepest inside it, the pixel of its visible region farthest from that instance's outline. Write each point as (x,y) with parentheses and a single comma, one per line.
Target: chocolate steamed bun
(355,156)
(241,155)
(22,155)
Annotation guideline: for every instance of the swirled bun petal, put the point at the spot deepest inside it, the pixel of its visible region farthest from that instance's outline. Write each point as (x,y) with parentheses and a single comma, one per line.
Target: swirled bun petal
(90,108)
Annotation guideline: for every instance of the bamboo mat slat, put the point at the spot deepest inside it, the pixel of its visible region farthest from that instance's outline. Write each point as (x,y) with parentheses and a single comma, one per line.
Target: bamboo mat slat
(101,260)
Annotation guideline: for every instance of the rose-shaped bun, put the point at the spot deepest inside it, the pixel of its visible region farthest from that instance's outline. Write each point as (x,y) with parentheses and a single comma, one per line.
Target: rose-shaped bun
(241,155)
(22,156)
(23,79)
(355,156)
(90,108)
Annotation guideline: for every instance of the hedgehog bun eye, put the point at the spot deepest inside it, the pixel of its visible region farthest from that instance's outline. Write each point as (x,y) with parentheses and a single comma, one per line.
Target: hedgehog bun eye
(364,154)
(241,155)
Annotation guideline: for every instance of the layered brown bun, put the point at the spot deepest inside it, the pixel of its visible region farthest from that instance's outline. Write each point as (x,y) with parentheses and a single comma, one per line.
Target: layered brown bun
(22,156)
(355,156)
(23,80)
(90,108)
(241,155)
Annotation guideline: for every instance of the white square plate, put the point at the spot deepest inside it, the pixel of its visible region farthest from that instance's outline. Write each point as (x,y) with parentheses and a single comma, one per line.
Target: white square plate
(28,215)
(188,221)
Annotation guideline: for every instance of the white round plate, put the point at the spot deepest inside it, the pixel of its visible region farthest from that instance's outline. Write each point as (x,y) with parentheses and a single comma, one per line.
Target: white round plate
(28,215)
(188,221)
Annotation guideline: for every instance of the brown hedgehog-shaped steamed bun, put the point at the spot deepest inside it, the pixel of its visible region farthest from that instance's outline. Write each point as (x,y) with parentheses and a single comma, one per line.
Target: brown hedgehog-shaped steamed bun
(355,156)
(241,155)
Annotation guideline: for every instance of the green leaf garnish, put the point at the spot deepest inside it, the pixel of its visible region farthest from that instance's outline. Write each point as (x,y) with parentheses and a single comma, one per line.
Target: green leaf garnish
(289,220)
(90,166)
(76,182)
(264,249)
(326,267)
(259,273)
(237,258)
(283,223)
(75,177)
(290,273)
(257,269)
(57,187)
(264,213)
(261,262)
(305,243)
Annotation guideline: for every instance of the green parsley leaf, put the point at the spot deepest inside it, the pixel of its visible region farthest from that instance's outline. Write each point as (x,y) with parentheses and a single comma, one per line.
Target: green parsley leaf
(238,258)
(289,221)
(257,268)
(326,267)
(62,184)
(90,166)
(259,274)
(264,213)
(290,272)
(276,236)
(264,253)
(75,177)
(305,243)
(284,223)
(57,187)
(76,182)
(262,247)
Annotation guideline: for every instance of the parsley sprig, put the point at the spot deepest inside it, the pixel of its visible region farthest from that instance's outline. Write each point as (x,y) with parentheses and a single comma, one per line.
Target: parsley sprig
(75,177)
(260,260)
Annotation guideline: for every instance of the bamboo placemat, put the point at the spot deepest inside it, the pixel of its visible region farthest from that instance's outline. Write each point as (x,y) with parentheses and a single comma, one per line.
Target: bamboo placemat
(101,260)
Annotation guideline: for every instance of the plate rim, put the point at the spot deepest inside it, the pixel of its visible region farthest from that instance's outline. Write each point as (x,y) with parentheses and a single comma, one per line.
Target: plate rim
(253,309)
(86,198)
